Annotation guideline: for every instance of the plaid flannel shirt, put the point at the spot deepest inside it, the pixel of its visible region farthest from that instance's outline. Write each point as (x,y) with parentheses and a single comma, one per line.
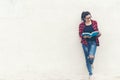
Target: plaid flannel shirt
(81,28)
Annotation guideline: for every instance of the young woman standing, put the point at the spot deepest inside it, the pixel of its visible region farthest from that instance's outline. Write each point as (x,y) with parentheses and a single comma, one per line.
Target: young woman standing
(89,44)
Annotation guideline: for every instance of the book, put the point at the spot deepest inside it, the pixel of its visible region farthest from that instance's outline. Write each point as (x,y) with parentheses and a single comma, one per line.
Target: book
(94,33)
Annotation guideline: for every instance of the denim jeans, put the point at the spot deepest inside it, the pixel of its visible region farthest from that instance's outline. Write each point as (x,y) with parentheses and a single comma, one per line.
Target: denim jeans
(89,49)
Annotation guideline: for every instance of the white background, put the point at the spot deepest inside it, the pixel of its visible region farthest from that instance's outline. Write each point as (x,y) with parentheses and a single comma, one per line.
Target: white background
(39,39)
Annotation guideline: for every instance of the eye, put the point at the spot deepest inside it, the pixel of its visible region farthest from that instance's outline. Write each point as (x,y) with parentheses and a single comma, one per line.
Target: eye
(87,17)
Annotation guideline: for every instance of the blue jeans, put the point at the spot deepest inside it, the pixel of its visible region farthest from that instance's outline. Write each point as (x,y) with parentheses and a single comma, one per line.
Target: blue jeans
(89,49)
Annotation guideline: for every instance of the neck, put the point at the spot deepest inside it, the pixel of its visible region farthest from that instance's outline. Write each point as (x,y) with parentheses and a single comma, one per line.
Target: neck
(88,22)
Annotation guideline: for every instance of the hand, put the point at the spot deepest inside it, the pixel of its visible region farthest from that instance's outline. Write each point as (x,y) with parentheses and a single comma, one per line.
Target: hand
(89,37)
(86,37)
(99,34)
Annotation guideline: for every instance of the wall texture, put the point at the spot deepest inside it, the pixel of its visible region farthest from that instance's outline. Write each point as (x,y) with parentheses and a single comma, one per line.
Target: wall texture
(39,39)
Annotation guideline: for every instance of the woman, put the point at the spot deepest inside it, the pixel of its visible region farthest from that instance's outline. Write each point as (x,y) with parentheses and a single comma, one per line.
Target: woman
(89,44)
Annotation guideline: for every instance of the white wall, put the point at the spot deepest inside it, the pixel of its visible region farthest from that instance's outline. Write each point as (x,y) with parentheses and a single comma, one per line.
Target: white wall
(39,39)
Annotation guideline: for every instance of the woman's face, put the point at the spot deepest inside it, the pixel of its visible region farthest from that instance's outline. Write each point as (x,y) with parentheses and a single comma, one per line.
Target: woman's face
(88,18)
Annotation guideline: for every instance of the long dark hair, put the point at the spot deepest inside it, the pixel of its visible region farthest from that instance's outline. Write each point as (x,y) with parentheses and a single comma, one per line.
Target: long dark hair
(84,14)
